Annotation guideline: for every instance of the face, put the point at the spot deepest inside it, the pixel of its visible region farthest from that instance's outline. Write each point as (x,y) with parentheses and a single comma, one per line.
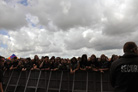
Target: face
(92,58)
(36,57)
(103,57)
(89,59)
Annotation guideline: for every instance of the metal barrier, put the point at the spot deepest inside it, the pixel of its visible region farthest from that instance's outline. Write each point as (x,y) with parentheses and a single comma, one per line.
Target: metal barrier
(56,81)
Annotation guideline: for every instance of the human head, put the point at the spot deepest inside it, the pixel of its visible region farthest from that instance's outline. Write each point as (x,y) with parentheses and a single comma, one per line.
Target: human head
(93,57)
(103,57)
(84,58)
(130,47)
(36,57)
(46,58)
(73,60)
(52,59)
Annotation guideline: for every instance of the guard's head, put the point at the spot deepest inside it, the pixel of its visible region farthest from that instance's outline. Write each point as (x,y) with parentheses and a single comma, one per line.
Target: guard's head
(130,47)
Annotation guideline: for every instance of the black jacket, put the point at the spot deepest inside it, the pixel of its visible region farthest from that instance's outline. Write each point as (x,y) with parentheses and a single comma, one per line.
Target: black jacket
(1,75)
(124,73)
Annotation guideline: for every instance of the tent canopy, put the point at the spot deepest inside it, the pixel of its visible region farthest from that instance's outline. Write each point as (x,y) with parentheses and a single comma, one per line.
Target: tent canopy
(12,56)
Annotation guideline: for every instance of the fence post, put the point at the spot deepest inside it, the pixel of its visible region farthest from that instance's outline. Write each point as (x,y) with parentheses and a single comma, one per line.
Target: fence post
(9,81)
(60,80)
(73,82)
(101,82)
(27,81)
(49,81)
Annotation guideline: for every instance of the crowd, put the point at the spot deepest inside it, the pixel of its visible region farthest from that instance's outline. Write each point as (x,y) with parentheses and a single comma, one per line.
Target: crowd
(57,63)
(123,69)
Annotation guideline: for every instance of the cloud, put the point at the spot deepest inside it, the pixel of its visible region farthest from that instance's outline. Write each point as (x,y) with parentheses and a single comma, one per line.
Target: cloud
(120,18)
(66,28)
(66,14)
(11,17)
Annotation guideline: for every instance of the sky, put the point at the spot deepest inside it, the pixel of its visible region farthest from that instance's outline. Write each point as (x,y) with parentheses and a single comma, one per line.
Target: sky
(67,28)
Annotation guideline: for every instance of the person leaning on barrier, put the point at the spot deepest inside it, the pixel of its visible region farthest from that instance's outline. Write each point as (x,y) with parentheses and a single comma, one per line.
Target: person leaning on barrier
(20,65)
(27,65)
(124,71)
(103,63)
(54,64)
(83,62)
(14,63)
(94,61)
(89,64)
(63,65)
(1,72)
(45,65)
(74,65)
(7,65)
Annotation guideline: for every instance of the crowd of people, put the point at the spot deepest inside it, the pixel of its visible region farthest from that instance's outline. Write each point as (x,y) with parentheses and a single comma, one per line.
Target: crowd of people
(57,63)
(123,69)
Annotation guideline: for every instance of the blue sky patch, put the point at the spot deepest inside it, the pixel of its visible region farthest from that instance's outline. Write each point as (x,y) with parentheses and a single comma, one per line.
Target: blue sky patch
(3,32)
(24,2)
(3,45)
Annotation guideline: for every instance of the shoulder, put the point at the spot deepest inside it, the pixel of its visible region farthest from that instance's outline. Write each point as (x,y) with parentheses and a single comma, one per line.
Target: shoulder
(116,63)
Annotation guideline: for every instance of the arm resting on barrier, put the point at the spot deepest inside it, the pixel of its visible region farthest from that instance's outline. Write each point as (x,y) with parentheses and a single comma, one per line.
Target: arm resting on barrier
(1,89)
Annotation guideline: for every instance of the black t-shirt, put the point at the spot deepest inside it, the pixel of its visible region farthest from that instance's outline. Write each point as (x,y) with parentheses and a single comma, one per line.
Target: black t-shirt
(95,64)
(19,67)
(27,65)
(74,65)
(15,64)
(63,66)
(88,63)
(54,65)
(83,64)
(7,66)
(1,75)
(104,64)
(45,65)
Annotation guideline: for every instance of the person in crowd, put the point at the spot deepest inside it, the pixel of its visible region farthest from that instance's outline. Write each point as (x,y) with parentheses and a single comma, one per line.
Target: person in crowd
(94,61)
(27,64)
(14,63)
(103,63)
(1,72)
(20,65)
(42,59)
(54,64)
(88,64)
(83,62)
(7,65)
(68,63)
(36,61)
(45,65)
(74,65)
(114,57)
(35,67)
(124,71)
(63,65)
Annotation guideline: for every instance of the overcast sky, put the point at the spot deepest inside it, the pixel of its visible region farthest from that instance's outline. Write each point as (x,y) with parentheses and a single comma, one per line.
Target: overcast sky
(67,28)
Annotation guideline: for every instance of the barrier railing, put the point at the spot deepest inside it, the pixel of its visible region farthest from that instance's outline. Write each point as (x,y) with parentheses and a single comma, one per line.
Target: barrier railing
(56,81)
